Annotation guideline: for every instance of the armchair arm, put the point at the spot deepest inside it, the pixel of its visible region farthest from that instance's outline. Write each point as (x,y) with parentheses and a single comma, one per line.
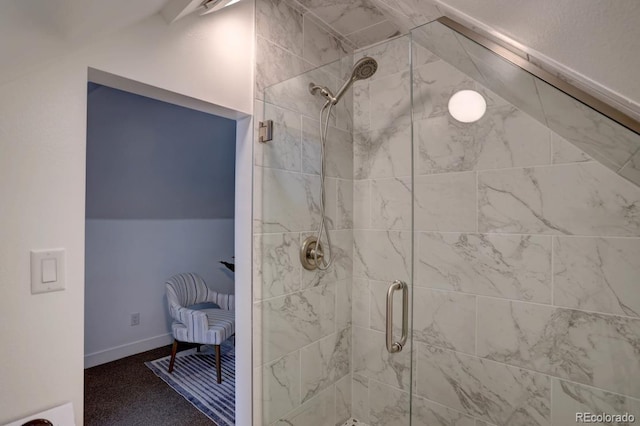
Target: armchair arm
(195,322)
(225,301)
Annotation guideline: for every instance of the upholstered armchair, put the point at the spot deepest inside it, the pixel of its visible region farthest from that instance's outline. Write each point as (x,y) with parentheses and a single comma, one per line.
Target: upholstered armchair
(202,326)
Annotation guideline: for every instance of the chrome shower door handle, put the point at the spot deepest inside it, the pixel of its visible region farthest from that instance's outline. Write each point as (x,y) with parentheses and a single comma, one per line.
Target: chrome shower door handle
(392,346)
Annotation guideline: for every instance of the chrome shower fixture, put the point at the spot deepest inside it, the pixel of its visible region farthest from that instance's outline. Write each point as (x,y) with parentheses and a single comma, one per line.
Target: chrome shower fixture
(363,69)
(312,255)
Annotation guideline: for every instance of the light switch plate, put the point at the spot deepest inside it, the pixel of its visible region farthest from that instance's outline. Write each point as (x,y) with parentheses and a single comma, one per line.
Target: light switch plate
(52,277)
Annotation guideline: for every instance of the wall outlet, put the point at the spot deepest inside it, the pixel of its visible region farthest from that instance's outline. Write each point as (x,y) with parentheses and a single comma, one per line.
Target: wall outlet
(135,319)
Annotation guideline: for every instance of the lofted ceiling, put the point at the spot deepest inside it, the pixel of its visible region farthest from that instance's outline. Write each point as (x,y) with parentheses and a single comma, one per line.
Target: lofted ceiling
(596,40)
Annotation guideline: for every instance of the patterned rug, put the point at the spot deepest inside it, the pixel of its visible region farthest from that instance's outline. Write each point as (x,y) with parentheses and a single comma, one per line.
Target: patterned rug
(194,377)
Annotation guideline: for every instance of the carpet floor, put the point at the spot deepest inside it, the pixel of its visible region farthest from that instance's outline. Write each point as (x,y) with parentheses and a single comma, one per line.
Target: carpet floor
(125,392)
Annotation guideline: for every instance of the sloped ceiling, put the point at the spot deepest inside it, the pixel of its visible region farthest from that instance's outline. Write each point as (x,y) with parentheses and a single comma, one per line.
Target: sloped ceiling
(34,31)
(599,41)
(596,43)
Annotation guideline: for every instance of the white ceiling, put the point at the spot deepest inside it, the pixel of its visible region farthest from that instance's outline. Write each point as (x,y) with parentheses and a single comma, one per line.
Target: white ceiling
(599,39)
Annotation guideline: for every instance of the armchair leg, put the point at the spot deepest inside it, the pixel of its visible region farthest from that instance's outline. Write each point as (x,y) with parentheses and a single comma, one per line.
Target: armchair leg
(174,350)
(218,366)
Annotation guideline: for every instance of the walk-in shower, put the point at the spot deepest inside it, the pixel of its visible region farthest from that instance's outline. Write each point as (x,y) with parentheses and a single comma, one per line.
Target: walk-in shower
(513,234)
(312,254)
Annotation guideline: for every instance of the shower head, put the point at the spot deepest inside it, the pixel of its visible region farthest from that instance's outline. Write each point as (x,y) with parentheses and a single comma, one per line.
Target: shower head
(363,69)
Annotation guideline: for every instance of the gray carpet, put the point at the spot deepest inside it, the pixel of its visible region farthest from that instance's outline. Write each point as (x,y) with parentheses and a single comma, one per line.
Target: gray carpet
(126,392)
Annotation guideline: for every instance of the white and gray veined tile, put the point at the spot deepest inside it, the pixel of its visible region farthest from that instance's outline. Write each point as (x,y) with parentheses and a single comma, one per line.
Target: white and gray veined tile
(324,362)
(374,34)
(287,33)
(372,360)
(589,130)
(293,321)
(277,266)
(507,266)
(344,16)
(360,397)
(360,306)
(594,349)
(284,151)
(391,203)
(425,412)
(382,255)
(390,101)
(419,11)
(579,199)
(482,423)
(445,319)
(318,411)
(490,391)
(505,79)
(285,201)
(280,387)
(383,153)
(564,151)
(274,65)
(344,293)
(361,107)
(571,398)
(631,170)
(389,406)
(504,137)
(343,399)
(407,16)
(597,274)
(445,202)
(392,57)
(320,47)
(362,204)
(344,214)
(292,91)
(445,44)
(433,86)
(338,150)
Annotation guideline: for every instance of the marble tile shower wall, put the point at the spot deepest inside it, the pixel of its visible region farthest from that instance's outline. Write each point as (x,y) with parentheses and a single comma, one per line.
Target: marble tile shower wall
(527,260)
(302,320)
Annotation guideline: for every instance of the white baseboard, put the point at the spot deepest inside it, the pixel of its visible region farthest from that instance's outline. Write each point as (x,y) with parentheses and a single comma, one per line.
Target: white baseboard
(112,354)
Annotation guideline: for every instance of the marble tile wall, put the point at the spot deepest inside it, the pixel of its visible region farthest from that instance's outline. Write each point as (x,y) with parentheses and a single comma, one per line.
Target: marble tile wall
(526,251)
(526,256)
(302,320)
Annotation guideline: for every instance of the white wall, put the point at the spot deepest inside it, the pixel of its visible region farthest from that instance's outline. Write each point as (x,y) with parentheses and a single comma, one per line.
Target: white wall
(127,263)
(42,168)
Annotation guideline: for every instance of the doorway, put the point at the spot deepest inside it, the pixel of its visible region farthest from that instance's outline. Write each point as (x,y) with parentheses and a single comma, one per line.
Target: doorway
(226,228)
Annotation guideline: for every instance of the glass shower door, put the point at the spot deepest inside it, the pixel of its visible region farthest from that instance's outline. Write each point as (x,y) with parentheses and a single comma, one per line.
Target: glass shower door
(526,256)
(324,351)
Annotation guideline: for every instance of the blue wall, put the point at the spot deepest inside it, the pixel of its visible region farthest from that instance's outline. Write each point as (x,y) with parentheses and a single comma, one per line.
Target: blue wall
(147,159)
(160,200)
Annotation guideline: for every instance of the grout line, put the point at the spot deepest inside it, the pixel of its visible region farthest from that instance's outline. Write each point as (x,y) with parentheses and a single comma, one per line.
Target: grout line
(553,278)
(550,376)
(476,329)
(477,203)
(551,400)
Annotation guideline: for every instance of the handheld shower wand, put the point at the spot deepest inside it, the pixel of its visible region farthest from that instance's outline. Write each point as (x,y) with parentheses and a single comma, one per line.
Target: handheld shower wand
(312,254)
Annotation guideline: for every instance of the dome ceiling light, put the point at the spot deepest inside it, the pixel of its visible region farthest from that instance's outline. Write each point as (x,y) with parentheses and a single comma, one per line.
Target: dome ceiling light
(467,106)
